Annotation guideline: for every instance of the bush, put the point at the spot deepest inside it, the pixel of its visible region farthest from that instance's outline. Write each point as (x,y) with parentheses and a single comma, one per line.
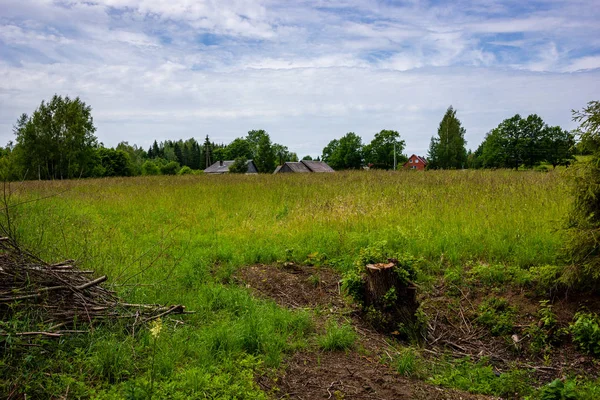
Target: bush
(150,168)
(170,168)
(583,248)
(185,170)
(586,332)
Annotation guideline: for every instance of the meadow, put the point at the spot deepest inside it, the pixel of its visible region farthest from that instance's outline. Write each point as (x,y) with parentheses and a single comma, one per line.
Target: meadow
(180,239)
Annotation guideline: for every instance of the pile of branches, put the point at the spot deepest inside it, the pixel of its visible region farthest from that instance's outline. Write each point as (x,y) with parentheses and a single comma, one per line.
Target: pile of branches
(62,298)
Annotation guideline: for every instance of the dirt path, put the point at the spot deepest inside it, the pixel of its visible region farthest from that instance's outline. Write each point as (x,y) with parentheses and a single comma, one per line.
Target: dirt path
(316,374)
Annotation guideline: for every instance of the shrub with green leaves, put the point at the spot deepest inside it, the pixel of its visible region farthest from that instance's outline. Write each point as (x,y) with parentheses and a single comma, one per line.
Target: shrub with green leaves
(586,332)
(545,333)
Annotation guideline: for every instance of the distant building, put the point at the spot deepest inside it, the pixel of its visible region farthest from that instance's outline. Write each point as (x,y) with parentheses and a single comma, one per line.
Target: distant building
(415,162)
(222,167)
(303,167)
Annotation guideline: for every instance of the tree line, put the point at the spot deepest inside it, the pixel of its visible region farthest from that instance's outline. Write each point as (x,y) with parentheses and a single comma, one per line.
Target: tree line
(57,141)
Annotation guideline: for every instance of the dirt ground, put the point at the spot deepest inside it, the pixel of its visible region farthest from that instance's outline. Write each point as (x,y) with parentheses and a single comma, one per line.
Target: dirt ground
(316,374)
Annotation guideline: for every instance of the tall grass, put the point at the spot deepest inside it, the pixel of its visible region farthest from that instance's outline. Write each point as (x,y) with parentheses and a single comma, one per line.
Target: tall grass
(122,224)
(166,239)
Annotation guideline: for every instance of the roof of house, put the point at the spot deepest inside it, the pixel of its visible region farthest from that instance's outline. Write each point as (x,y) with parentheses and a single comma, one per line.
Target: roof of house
(317,166)
(421,159)
(297,166)
(223,167)
(304,166)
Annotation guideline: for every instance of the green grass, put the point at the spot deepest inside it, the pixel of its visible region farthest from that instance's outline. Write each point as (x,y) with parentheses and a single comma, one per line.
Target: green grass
(178,239)
(337,337)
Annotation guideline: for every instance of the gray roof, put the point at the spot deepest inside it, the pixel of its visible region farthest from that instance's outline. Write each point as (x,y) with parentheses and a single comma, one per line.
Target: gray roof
(304,166)
(317,166)
(219,167)
(297,166)
(223,167)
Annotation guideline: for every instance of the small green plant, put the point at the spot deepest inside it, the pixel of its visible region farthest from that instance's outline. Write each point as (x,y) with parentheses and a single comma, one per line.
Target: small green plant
(586,332)
(408,362)
(545,333)
(498,315)
(559,390)
(337,337)
(353,284)
(481,377)
(155,332)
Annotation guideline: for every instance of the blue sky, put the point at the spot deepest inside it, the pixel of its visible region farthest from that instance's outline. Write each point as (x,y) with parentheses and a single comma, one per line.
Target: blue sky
(306,71)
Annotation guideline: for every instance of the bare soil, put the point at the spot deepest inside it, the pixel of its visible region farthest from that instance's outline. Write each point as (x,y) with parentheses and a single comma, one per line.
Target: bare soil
(361,373)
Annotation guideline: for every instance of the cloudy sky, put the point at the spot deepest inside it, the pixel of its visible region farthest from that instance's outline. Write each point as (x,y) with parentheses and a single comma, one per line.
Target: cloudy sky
(306,71)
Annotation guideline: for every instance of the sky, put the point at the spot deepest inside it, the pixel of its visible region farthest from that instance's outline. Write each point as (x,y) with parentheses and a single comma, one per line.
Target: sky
(305,71)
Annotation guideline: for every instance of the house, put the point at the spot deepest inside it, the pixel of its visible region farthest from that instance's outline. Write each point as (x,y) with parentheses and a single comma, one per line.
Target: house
(415,162)
(222,167)
(304,166)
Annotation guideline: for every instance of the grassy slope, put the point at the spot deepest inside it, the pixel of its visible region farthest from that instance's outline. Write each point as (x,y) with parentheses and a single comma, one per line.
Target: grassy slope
(181,237)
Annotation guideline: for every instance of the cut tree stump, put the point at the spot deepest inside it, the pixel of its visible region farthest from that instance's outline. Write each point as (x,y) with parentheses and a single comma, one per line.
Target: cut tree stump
(393,298)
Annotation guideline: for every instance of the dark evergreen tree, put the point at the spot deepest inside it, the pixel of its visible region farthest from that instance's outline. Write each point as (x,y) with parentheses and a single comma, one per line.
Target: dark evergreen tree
(447,150)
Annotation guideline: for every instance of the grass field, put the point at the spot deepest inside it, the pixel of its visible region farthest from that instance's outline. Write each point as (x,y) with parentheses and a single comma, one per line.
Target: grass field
(179,239)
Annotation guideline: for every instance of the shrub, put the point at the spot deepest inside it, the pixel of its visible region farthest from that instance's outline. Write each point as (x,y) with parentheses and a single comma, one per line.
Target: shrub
(185,170)
(545,332)
(586,332)
(150,168)
(170,168)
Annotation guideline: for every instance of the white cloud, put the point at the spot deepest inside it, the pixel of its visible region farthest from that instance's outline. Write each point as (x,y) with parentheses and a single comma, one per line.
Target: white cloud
(306,71)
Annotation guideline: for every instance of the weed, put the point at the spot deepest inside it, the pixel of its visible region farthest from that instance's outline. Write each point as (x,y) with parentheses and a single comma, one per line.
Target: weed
(545,333)
(408,363)
(337,337)
(586,332)
(498,315)
(481,378)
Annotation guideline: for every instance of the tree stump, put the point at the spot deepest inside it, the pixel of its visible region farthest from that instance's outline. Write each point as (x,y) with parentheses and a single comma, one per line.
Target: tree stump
(391,300)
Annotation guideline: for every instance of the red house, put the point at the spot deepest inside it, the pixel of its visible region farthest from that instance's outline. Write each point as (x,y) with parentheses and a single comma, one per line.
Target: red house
(415,162)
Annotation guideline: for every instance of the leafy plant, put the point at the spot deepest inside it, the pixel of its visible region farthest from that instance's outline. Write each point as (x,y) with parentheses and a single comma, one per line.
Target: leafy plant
(545,333)
(498,315)
(586,332)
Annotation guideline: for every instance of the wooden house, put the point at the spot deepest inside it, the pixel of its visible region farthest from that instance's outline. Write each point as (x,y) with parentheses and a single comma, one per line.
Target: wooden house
(304,166)
(222,167)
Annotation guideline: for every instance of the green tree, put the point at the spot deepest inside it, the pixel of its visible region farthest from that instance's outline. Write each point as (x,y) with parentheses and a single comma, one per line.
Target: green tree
(525,142)
(114,162)
(558,146)
(380,152)
(307,158)
(265,155)
(239,147)
(447,150)
(208,149)
(57,141)
(345,153)
(253,138)
(583,235)
(239,166)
